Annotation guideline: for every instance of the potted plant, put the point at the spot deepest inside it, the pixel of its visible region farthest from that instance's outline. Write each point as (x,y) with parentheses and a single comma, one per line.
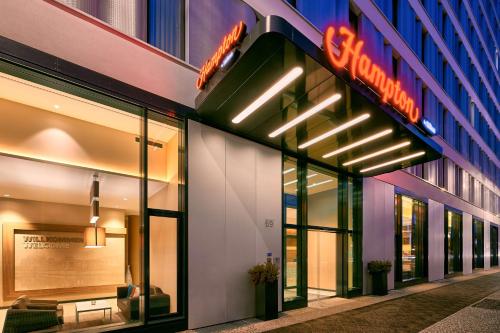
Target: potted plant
(265,279)
(379,269)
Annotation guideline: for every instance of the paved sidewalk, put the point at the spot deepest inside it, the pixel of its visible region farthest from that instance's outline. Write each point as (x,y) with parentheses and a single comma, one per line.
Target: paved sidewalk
(409,309)
(481,317)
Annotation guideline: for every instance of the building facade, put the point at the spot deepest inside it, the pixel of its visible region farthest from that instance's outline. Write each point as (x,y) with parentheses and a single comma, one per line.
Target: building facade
(153,151)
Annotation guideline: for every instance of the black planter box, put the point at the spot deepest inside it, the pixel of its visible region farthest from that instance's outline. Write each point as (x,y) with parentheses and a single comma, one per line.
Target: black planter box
(379,283)
(266,300)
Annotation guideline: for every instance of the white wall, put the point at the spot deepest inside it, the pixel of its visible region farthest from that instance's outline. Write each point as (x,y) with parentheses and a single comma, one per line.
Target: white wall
(378,227)
(487,245)
(467,243)
(435,240)
(234,186)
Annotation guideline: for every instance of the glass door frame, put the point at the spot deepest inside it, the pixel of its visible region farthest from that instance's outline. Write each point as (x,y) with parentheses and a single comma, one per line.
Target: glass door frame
(458,264)
(177,320)
(493,249)
(477,256)
(421,254)
(342,230)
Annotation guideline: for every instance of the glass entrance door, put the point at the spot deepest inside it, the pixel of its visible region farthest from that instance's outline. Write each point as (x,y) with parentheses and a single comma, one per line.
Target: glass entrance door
(477,243)
(321,264)
(411,247)
(494,245)
(453,242)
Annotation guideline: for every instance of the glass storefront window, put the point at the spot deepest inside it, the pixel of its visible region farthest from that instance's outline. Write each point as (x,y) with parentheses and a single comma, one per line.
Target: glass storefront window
(72,206)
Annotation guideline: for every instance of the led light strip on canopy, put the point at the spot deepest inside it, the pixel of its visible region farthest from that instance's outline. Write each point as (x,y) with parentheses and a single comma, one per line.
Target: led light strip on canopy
(358,143)
(312,111)
(336,130)
(377,153)
(393,161)
(269,93)
(320,183)
(290,183)
(288,171)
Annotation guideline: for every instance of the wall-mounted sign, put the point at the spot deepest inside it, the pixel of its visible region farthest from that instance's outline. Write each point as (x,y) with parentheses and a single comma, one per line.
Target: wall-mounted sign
(229,42)
(428,126)
(361,66)
(40,242)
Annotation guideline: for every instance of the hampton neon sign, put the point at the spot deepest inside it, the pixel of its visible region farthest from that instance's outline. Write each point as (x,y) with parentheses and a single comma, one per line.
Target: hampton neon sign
(361,66)
(228,43)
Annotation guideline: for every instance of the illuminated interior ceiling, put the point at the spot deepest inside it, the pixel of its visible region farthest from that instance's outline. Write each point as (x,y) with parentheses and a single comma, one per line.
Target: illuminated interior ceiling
(282,92)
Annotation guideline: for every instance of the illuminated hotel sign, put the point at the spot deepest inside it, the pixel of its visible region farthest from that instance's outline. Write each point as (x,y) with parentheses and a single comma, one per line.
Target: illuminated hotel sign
(428,126)
(361,66)
(225,49)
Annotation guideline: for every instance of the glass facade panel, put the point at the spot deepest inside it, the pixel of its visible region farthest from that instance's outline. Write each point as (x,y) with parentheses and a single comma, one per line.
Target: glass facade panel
(165,181)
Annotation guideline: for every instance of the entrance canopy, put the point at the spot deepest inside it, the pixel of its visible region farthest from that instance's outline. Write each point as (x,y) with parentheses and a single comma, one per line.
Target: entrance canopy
(278,88)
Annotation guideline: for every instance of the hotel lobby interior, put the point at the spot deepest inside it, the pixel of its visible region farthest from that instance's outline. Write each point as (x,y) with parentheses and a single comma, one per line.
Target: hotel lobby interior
(71,212)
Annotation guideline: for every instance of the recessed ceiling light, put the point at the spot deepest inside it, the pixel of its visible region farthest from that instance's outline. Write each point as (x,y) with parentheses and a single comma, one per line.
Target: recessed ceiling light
(6,195)
(309,113)
(269,93)
(393,161)
(358,143)
(377,153)
(290,183)
(57,106)
(125,199)
(320,183)
(288,171)
(336,130)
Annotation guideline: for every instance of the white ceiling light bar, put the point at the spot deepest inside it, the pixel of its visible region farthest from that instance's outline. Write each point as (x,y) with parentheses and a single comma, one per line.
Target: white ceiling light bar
(393,161)
(320,183)
(336,130)
(269,93)
(312,175)
(358,143)
(377,153)
(312,111)
(290,183)
(288,171)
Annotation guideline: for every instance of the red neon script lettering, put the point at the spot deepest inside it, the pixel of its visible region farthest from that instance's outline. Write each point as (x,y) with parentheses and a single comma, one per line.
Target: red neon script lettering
(361,66)
(228,43)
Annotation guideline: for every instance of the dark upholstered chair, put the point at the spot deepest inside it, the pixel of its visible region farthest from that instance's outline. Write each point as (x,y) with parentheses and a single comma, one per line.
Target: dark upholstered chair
(33,315)
(129,306)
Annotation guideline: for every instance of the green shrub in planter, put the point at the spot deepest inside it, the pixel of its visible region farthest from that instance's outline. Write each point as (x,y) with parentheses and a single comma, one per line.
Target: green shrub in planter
(379,269)
(265,279)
